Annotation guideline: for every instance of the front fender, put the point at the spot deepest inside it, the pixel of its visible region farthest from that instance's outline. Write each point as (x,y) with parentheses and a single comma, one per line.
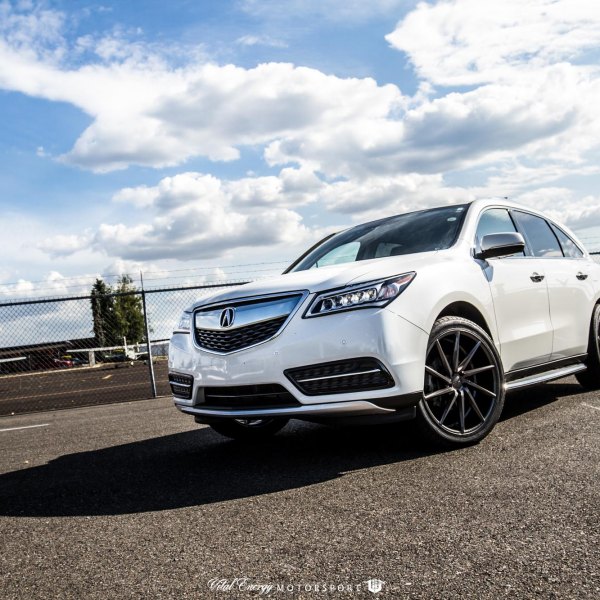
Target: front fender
(437,286)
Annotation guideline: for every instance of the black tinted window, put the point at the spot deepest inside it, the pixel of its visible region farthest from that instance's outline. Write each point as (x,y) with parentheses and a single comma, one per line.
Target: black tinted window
(496,220)
(569,247)
(539,235)
(421,231)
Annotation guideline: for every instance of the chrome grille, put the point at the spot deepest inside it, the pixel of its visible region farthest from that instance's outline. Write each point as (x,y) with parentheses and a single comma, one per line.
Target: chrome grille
(230,340)
(249,321)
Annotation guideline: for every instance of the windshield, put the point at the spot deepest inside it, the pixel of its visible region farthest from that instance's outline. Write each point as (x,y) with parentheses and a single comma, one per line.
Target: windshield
(422,231)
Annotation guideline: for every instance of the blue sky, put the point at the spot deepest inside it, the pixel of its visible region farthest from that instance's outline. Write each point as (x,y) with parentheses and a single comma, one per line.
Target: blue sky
(183,138)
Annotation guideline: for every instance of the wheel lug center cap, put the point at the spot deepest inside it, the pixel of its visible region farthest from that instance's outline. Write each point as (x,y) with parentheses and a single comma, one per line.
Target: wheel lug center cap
(456,381)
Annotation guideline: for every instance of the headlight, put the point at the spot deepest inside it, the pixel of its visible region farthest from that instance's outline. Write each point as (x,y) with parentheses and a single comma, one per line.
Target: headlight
(366,295)
(185,322)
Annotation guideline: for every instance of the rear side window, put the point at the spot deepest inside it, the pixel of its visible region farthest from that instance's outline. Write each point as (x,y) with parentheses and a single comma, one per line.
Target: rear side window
(542,241)
(569,247)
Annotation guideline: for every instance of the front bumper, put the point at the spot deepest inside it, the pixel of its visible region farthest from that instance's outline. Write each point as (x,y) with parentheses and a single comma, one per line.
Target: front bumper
(381,334)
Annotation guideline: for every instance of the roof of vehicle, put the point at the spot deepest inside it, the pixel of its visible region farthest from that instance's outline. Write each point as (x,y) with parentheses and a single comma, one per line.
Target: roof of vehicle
(474,207)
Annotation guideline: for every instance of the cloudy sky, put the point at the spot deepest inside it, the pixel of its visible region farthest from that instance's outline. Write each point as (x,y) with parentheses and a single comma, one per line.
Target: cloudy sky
(178,137)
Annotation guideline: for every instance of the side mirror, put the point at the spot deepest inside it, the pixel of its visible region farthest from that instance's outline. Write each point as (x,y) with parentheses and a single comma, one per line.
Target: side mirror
(496,245)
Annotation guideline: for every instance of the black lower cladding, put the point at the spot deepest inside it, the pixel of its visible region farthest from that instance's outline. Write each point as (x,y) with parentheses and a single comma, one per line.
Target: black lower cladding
(181,385)
(230,340)
(248,397)
(341,376)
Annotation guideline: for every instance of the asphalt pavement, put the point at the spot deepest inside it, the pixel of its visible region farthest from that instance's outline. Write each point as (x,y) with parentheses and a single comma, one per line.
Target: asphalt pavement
(134,500)
(58,389)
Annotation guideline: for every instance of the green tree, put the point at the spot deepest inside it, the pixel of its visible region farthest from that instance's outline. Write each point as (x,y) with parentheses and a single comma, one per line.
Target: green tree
(103,313)
(129,316)
(117,313)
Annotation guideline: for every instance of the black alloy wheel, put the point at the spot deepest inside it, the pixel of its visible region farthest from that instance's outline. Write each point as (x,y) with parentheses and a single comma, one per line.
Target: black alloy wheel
(463,393)
(590,378)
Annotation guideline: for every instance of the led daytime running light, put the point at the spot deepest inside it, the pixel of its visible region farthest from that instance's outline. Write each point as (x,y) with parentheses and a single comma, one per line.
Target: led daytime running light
(375,294)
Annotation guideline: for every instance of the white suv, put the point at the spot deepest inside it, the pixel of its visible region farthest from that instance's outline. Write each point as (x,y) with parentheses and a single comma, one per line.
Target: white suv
(430,315)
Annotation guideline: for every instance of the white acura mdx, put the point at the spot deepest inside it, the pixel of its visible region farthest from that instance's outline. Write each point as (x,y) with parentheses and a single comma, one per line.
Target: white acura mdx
(431,315)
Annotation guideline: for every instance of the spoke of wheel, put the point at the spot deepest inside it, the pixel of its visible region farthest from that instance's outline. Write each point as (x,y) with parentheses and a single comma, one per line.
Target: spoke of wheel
(448,409)
(474,404)
(461,411)
(471,354)
(480,388)
(439,375)
(444,359)
(478,370)
(438,393)
(456,350)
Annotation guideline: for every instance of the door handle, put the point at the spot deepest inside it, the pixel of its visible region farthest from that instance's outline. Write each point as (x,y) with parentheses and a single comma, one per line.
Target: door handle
(581,276)
(536,277)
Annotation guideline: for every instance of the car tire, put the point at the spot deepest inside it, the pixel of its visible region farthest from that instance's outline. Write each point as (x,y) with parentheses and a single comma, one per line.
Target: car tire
(463,391)
(590,378)
(249,430)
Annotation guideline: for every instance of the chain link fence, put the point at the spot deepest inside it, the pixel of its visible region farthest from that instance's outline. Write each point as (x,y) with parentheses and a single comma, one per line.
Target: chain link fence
(86,350)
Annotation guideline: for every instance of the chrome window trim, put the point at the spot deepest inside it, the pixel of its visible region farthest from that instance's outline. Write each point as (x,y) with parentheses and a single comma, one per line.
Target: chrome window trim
(528,252)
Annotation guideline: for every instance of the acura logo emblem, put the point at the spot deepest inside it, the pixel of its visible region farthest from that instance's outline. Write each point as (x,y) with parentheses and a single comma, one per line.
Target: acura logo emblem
(227,317)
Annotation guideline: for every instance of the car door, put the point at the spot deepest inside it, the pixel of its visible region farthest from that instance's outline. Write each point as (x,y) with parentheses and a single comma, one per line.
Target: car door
(571,291)
(520,297)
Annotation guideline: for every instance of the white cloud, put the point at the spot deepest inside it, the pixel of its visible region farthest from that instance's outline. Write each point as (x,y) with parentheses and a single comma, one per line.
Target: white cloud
(195,216)
(260,40)
(52,284)
(33,31)
(376,197)
(148,112)
(64,245)
(141,196)
(198,216)
(470,42)
(507,95)
(562,204)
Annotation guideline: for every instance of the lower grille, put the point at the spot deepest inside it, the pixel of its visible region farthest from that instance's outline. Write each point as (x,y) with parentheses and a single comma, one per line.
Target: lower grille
(181,385)
(230,340)
(341,376)
(248,396)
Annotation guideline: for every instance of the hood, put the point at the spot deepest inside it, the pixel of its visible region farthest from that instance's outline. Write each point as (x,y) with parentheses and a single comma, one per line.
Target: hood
(326,278)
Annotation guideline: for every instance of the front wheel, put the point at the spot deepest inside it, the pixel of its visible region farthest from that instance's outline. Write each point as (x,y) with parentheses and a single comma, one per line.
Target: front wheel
(249,430)
(463,392)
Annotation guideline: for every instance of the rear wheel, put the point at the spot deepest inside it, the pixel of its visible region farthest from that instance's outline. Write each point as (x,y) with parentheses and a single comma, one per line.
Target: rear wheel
(590,378)
(463,392)
(249,429)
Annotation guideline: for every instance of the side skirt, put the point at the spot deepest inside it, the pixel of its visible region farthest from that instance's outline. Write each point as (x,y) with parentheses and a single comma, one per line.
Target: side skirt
(557,369)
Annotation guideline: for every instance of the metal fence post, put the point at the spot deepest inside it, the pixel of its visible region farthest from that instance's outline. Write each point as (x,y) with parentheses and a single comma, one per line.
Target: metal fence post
(147,328)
